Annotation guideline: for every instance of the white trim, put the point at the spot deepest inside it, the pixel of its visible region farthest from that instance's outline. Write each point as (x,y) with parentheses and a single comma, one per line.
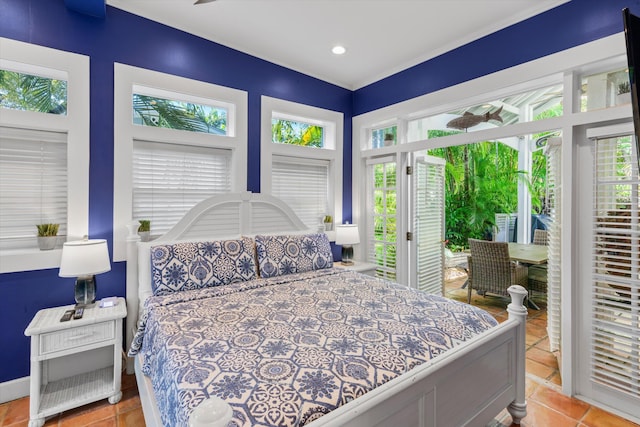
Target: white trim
(14,389)
(613,131)
(75,124)
(125,79)
(333,123)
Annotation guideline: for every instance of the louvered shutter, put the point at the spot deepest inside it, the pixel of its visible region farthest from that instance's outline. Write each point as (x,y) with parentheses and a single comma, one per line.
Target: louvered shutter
(304,186)
(428,230)
(615,289)
(33,185)
(554,228)
(169,179)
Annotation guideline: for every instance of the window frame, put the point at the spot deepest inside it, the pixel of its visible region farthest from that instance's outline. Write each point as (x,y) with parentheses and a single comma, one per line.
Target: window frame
(75,69)
(128,79)
(333,123)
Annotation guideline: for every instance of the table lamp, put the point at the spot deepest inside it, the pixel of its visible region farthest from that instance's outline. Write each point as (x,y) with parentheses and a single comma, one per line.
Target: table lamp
(84,259)
(347,235)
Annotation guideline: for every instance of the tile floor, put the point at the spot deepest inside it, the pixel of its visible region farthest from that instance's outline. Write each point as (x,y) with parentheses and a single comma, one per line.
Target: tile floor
(547,407)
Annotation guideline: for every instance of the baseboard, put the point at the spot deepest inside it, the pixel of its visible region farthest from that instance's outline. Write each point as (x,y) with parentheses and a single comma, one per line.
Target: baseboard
(14,389)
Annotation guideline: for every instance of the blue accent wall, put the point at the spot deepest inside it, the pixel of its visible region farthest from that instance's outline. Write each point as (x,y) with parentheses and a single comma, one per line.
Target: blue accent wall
(128,39)
(566,26)
(125,38)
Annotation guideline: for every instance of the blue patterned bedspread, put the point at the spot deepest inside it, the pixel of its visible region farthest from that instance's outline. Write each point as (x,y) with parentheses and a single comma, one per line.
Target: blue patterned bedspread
(286,350)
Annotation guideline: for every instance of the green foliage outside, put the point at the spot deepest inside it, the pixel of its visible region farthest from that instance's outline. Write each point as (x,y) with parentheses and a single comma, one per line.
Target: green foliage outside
(171,114)
(384,218)
(25,92)
(297,133)
(481,180)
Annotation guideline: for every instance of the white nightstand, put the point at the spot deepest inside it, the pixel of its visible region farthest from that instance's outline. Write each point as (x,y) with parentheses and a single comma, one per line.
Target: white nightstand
(362,267)
(74,362)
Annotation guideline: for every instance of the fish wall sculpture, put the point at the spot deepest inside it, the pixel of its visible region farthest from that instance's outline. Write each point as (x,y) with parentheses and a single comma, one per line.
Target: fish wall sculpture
(468,120)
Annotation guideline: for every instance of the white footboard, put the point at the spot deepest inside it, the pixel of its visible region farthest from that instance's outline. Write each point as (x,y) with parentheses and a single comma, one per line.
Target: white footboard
(467,386)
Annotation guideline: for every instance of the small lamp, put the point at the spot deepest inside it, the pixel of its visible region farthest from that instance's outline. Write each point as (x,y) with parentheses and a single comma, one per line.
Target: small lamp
(83,259)
(347,235)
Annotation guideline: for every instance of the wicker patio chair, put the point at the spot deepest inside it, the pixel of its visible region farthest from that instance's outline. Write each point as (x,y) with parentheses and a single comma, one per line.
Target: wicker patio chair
(538,273)
(491,269)
(540,237)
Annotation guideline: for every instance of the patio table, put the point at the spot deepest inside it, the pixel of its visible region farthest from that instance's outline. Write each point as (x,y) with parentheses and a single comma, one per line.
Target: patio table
(527,253)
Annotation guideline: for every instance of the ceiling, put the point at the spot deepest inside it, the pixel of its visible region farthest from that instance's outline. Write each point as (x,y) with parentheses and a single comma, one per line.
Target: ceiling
(382,37)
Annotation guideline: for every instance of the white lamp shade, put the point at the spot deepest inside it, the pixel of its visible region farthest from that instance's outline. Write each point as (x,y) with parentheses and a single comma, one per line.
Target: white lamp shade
(347,234)
(84,258)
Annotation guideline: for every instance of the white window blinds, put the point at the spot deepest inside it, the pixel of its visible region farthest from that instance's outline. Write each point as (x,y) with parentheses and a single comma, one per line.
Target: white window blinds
(429,224)
(304,185)
(554,197)
(169,179)
(33,185)
(615,289)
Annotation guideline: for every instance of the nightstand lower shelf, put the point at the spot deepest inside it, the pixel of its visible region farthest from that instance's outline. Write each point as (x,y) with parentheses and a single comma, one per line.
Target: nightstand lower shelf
(67,393)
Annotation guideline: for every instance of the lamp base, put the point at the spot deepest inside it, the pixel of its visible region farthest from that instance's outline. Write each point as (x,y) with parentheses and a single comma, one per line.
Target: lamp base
(347,255)
(85,290)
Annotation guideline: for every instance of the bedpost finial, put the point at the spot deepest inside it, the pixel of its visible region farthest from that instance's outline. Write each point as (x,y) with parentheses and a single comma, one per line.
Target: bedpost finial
(518,294)
(132,228)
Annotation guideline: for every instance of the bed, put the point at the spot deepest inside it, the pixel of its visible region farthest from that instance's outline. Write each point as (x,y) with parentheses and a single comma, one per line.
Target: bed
(287,339)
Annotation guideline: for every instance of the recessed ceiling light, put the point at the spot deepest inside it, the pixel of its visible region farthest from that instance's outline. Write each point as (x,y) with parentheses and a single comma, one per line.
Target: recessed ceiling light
(339,50)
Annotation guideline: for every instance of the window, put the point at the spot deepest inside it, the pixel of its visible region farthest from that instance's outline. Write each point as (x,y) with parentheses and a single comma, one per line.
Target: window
(297,133)
(604,90)
(615,287)
(169,179)
(44,151)
(173,149)
(302,159)
(532,105)
(304,185)
(384,137)
(26,92)
(382,210)
(174,114)
(33,185)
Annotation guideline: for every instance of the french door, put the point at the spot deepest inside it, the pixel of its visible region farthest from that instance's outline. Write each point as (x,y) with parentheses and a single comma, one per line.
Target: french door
(427,209)
(608,326)
(405,220)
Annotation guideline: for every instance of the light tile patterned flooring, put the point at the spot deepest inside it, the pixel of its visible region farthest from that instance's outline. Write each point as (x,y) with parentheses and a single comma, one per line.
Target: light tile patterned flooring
(547,407)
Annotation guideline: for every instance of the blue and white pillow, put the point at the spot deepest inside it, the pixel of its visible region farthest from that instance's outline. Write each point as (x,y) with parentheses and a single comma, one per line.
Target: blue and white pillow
(196,265)
(288,254)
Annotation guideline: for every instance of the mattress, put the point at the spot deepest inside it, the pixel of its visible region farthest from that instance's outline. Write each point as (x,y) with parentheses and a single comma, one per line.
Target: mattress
(286,350)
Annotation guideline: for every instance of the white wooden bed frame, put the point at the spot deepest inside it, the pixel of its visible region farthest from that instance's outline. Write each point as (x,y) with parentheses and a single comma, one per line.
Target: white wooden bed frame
(467,386)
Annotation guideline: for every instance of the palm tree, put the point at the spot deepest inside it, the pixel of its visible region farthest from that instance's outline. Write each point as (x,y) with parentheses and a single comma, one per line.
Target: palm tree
(158,112)
(32,93)
(481,180)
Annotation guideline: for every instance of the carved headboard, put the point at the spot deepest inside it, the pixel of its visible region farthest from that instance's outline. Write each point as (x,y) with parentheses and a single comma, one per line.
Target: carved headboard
(224,216)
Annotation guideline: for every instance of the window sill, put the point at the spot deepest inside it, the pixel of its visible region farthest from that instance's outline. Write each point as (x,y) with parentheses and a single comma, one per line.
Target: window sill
(29,259)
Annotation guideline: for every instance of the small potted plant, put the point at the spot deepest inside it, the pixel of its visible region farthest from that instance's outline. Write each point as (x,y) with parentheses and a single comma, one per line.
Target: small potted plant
(144,229)
(624,93)
(388,139)
(328,222)
(47,236)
